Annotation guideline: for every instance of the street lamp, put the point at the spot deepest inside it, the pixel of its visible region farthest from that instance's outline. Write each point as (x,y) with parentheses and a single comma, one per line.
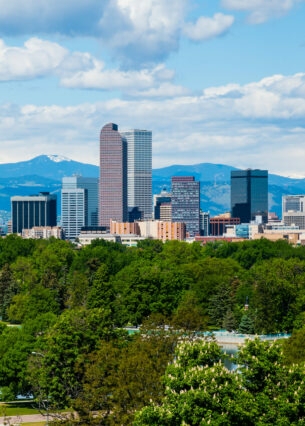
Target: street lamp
(47,400)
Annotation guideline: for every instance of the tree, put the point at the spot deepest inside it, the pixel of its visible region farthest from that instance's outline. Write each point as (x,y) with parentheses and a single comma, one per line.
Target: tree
(246,325)
(263,390)
(8,289)
(15,347)
(189,314)
(65,349)
(123,375)
(199,391)
(294,347)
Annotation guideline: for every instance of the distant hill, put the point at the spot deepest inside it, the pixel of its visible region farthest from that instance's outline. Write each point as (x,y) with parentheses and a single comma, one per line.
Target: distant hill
(48,166)
(45,172)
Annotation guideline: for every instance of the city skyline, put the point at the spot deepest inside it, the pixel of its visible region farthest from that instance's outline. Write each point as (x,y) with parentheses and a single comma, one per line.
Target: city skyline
(212,80)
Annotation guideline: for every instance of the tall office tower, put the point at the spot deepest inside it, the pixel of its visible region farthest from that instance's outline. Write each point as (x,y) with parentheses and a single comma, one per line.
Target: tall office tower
(79,204)
(293,212)
(139,149)
(186,203)
(113,176)
(33,210)
(249,195)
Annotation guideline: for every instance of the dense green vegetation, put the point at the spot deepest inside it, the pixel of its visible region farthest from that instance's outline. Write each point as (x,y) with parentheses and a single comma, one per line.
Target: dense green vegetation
(67,309)
(263,390)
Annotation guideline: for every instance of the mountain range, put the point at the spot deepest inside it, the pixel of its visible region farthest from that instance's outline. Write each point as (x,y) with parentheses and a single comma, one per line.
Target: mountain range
(44,173)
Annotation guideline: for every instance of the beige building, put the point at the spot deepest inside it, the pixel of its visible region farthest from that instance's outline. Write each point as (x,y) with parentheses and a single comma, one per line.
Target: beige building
(171,231)
(156,229)
(43,232)
(124,228)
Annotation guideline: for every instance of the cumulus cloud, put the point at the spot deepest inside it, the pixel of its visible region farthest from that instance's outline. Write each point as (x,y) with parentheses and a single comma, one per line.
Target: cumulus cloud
(258,125)
(41,58)
(205,27)
(261,10)
(136,32)
(275,97)
(35,59)
(143,30)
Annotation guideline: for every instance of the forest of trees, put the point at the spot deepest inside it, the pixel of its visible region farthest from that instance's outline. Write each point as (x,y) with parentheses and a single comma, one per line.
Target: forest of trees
(64,312)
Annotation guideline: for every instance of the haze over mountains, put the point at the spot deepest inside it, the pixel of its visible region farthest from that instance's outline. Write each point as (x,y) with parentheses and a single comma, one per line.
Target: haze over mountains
(44,173)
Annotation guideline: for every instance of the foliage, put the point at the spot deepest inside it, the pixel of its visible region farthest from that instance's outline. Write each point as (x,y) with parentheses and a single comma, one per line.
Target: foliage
(15,347)
(294,347)
(71,302)
(201,391)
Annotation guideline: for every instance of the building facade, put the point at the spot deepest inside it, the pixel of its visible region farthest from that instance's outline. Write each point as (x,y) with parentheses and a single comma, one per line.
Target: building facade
(79,204)
(204,223)
(249,195)
(139,174)
(33,210)
(163,206)
(218,224)
(186,203)
(43,232)
(113,176)
(293,210)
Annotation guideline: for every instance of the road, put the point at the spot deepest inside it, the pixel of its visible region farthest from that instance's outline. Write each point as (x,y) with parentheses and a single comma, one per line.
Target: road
(16,420)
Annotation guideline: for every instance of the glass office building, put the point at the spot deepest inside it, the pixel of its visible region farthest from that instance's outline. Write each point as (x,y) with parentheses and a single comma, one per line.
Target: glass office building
(139,175)
(249,195)
(186,203)
(79,204)
(33,210)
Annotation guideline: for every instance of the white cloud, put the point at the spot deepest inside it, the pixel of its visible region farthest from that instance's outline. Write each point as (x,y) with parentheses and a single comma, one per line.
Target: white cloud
(143,31)
(261,10)
(129,81)
(205,27)
(41,58)
(135,31)
(35,59)
(258,125)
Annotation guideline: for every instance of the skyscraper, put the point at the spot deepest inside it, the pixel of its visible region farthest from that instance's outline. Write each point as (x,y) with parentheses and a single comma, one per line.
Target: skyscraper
(139,154)
(113,176)
(186,203)
(79,204)
(33,210)
(249,194)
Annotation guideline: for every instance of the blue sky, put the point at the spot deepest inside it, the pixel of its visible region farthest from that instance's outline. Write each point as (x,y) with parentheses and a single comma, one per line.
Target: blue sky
(218,81)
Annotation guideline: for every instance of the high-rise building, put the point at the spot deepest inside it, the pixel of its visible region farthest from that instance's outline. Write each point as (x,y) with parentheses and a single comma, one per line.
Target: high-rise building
(249,195)
(79,204)
(113,176)
(186,203)
(33,210)
(293,210)
(139,154)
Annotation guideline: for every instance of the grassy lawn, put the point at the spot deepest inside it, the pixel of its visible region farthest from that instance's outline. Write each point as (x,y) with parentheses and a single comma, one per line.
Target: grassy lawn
(34,424)
(18,408)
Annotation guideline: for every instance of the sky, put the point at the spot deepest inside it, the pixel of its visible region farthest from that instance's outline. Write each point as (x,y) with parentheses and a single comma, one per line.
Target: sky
(216,81)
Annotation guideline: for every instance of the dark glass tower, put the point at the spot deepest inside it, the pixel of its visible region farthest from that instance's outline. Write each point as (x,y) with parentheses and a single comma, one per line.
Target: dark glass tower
(113,176)
(186,203)
(33,210)
(249,194)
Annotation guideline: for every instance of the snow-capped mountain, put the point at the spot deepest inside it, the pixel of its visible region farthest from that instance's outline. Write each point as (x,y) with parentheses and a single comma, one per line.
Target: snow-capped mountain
(48,166)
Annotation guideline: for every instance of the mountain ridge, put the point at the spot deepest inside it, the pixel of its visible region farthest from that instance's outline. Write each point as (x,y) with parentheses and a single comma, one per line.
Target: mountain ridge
(45,172)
